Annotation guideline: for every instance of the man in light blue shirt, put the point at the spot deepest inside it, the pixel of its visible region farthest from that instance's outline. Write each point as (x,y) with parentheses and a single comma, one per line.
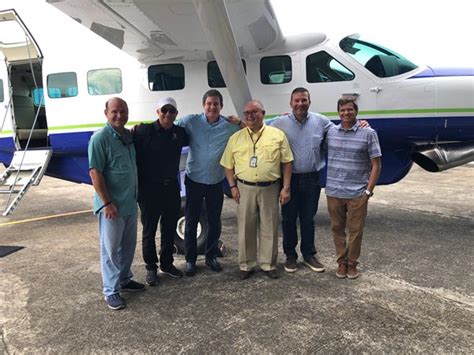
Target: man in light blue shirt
(305,132)
(208,135)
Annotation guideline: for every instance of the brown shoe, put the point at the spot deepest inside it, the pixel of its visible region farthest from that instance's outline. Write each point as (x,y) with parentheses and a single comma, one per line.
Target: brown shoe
(342,271)
(352,272)
(272,274)
(290,265)
(314,264)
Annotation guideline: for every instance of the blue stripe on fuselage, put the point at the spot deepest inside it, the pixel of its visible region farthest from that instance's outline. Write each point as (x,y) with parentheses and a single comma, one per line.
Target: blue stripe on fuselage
(436,72)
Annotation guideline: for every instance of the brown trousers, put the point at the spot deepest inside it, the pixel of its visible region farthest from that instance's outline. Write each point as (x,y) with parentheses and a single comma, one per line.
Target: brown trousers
(350,213)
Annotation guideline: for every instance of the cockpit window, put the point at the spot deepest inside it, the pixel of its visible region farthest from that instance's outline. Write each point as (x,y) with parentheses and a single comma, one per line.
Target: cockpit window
(379,61)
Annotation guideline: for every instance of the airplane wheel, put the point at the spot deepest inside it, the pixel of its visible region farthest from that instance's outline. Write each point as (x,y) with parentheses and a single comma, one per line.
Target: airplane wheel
(202,231)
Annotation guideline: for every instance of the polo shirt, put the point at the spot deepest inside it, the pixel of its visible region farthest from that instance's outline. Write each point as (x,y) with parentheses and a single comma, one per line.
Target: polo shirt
(116,161)
(158,151)
(349,154)
(269,145)
(207,141)
(306,140)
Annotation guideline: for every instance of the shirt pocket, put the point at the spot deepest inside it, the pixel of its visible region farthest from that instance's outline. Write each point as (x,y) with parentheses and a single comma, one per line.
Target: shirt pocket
(120,162)
(316,141)
(271,152)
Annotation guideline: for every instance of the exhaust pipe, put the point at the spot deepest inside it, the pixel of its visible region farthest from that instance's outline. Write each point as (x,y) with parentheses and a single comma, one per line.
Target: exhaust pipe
(444,156)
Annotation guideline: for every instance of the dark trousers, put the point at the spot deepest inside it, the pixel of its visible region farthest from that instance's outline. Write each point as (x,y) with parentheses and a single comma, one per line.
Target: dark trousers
(213,198)
(159,202)
(305,190)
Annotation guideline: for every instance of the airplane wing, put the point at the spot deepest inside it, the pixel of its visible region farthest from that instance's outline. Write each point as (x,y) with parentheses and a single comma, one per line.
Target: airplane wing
(158,30)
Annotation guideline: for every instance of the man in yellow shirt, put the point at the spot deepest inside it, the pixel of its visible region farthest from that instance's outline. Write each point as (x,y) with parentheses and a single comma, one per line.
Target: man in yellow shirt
(254,160)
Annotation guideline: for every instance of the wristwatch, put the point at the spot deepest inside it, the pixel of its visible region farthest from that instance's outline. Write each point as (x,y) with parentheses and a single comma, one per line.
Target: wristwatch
(369,193)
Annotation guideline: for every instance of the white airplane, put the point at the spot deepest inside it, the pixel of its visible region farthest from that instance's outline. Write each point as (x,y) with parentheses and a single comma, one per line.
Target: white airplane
(143,50)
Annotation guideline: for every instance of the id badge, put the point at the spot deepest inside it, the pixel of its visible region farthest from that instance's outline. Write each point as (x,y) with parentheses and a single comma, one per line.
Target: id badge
(253,162)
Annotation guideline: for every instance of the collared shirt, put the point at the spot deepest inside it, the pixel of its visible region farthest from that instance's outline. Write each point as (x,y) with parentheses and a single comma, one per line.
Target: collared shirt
(116,161)
(270,147)
(305,139)
(207,141)
(349,154)
(158,151)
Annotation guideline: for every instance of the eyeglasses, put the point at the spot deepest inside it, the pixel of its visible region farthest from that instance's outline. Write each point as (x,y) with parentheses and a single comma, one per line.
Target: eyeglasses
(253,112)
(169,109)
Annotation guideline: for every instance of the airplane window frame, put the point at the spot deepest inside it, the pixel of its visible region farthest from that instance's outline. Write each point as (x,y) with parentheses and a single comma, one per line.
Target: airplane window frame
(173,82)
(380,61)
(93,89)
(216,76)
(61,83)
(326,73)
(2,91)
(280,76)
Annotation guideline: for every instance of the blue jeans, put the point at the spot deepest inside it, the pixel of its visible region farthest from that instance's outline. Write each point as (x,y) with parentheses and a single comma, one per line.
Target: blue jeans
(213,198)
(305,190)
(118,238)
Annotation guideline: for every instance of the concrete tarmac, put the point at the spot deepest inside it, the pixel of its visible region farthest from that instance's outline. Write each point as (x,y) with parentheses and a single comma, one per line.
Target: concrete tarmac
(415,293)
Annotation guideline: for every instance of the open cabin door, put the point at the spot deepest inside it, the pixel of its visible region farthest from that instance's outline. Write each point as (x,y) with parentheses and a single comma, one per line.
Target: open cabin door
(23,84)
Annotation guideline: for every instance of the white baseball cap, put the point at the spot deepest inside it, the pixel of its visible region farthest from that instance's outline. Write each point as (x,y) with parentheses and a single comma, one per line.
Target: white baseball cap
(167,101)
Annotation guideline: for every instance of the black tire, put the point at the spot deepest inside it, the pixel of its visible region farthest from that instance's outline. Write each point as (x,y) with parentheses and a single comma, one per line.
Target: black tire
(202,231)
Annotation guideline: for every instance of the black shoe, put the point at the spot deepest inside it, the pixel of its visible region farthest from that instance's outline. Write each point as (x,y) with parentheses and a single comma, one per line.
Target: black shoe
(133,286)
(244,275)
(190,269)
(171,270)
(151,278)
(214,265)
(272,274)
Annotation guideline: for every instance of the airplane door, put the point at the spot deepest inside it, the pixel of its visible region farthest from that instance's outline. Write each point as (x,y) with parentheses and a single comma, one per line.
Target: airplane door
(5,108)
(23,60)
(328,77)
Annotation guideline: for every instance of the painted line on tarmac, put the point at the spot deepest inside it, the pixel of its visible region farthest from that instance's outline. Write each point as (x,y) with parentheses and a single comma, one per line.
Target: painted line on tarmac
(45,217)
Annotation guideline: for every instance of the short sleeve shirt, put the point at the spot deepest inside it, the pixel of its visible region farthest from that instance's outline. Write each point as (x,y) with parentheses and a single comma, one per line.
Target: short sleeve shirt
(117,163)
(269,147)
(349,155)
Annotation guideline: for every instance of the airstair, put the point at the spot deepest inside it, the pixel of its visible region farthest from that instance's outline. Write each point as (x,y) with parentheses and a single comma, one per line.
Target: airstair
(26,169)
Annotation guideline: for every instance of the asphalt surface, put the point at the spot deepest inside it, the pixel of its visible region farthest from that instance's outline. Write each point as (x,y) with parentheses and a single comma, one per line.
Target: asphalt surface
(415,293)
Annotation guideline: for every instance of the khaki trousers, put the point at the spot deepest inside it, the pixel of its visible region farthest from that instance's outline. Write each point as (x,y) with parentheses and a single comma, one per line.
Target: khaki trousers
(350,213)
(258,215)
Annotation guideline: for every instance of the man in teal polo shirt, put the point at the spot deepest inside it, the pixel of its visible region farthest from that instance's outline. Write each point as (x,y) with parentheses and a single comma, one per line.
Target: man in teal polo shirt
(113,170)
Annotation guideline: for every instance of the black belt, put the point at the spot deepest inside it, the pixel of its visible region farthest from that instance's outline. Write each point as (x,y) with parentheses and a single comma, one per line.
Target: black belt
(259,183)
(303,175)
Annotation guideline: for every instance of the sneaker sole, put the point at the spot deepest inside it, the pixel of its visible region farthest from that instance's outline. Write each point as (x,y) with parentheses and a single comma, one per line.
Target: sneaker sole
(352,277)
(315,269)
(152,283)
(339,276)
(170,274)
(290,270)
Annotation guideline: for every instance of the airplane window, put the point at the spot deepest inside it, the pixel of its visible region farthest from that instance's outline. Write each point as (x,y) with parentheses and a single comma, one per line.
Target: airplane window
(2,97)
(321,67)
(166,77)
(214,76)
(275,70)
(380,61)
(59,85)
(104,81)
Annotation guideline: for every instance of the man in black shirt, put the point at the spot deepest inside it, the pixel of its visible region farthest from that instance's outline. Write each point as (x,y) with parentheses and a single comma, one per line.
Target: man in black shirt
(158,147)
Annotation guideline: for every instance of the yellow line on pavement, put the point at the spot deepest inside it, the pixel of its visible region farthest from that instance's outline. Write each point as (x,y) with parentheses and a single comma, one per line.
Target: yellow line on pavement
(45,217)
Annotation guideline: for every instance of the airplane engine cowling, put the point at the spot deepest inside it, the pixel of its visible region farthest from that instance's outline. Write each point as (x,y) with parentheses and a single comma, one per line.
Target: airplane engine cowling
(444,156)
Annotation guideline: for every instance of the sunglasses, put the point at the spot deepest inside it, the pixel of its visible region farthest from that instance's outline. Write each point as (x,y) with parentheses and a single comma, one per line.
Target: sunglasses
(169,109)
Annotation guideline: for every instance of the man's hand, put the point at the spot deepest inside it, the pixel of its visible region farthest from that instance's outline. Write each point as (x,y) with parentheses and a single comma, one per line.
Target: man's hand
(235,194)
(111,211)
(364,124)
(284,196)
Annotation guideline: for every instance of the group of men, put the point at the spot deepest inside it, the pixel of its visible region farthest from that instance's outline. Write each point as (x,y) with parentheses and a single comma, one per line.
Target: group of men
(265,165)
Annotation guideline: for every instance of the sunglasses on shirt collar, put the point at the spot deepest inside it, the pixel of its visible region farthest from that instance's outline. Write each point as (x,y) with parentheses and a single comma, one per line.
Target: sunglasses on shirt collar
(126,138)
